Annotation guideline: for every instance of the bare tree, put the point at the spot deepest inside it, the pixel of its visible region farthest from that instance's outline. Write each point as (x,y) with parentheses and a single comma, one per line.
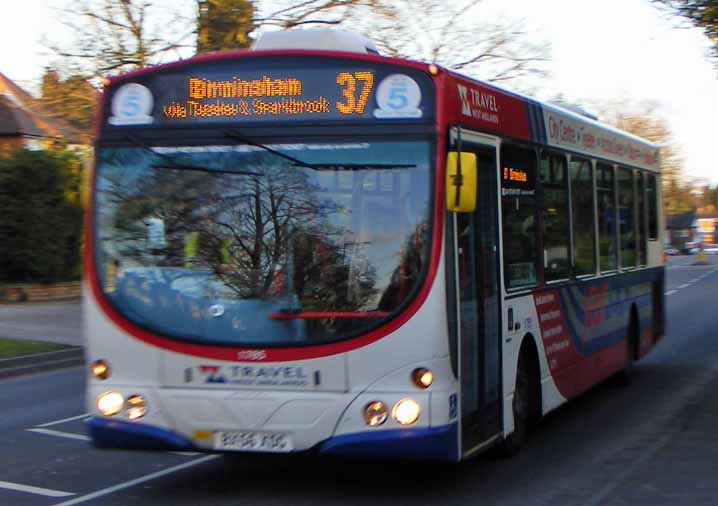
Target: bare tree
(315,12)
(645,121)
(118,35)
(700,13)
(451,34)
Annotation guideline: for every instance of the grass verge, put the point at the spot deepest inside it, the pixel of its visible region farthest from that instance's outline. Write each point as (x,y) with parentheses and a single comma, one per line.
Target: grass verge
(16,347)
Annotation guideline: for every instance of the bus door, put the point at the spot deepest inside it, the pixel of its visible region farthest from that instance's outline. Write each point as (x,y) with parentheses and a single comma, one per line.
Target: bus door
(478,312)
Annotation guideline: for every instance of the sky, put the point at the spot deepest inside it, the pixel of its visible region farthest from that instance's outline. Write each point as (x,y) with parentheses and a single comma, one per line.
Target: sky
(600,52)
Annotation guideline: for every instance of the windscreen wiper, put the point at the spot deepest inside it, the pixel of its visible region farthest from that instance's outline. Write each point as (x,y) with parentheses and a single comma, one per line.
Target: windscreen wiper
(172,164)
(362,166)
(232,134)
(178,166)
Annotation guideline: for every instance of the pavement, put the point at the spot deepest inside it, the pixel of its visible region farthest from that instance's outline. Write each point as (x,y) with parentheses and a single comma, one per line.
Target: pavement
(55,322)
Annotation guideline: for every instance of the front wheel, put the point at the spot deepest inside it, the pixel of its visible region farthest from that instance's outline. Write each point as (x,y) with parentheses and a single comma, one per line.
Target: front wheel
(521,408)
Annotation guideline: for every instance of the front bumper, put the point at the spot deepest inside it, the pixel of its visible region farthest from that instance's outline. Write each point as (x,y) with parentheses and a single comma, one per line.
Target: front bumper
(437,443)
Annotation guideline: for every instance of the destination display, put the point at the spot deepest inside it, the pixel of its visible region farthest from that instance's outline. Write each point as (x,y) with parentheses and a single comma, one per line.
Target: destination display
(517,180)
(250,91)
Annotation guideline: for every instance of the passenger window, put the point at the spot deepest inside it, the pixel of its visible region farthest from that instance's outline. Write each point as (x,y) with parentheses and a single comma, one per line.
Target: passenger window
(518,205)
(584,224)
(606,217)
(626,211)
(652,199)
(641,218)
(554,213)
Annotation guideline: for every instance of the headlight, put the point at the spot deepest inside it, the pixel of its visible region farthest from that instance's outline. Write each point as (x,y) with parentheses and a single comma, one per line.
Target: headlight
(110,403)
(100,369)
(423,377)
(406,411)
(375,413)
(136,407)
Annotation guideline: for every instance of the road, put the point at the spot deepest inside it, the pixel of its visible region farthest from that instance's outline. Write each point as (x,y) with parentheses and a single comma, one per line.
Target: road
(651,443)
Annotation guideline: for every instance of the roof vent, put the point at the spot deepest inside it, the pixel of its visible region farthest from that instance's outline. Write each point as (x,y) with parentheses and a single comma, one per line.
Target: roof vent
(323,38)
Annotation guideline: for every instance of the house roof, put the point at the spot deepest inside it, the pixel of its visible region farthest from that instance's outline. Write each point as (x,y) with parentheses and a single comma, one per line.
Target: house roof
(21,114)
(16,121)
(681,221)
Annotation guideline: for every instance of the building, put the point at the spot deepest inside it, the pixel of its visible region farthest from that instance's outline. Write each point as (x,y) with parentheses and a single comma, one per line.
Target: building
(707,226)
(24,123)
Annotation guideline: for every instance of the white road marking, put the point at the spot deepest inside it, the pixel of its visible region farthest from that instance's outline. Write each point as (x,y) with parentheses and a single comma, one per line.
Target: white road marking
(684,286)
(695,280)
(34,490)
(131,483)
(57,422)
(57,433)
(671,292)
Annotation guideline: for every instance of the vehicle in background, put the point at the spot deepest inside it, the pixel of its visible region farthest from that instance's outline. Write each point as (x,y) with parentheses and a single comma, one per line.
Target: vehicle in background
(690,248)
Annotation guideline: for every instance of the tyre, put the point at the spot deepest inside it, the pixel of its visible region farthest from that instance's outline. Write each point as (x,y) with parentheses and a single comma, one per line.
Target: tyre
(623,378)
(521,407)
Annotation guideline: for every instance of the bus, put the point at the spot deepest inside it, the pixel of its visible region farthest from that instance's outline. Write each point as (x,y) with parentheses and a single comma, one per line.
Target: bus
(310,247)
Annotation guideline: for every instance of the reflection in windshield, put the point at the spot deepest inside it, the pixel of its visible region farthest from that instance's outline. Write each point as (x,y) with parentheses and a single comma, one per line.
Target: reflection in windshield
(258,250)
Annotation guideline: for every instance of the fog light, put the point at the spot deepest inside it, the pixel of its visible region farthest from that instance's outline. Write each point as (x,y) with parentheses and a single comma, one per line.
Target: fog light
(375,413)
(406,411)
(136,407)
(100,369)
(110,403)
(423,377)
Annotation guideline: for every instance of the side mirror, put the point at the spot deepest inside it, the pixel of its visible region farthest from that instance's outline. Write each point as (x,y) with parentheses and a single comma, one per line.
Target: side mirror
(461,182)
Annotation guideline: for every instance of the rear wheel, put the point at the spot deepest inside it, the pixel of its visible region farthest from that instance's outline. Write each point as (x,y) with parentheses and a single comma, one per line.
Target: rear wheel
(624,377)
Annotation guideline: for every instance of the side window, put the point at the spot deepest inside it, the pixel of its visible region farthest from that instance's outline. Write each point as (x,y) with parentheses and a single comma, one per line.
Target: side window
(584,223)
(641,217)
(606,217)
(626,220)
(518,207)
(652,199)
(554,213)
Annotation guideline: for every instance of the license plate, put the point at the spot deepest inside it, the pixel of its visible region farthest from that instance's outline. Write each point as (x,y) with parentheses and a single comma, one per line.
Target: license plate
(253,441)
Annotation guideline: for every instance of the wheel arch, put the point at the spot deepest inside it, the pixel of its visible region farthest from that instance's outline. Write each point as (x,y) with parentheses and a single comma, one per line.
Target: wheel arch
(530,347)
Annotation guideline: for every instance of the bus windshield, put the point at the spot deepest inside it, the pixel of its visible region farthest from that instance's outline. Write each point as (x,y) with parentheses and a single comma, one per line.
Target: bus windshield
(285,244)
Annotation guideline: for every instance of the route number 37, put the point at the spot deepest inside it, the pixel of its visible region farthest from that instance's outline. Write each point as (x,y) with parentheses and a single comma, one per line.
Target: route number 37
(353,103)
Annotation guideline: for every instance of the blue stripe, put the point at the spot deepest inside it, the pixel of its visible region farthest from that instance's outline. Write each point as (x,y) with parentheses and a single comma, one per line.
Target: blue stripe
(533,134)
(440,443)
(537,127)
(541,124)
(573,312)
(107,433)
